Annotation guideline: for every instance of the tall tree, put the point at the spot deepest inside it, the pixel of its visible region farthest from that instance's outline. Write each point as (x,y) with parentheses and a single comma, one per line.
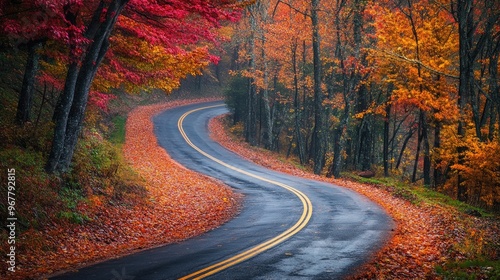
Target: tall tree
(476,22)
(25,102)
(419,65)
(29,23)
(319,133)
(170,24)
(81,72)
(251,124)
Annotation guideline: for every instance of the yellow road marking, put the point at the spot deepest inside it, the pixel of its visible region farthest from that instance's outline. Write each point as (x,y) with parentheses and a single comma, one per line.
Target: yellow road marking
(298,226)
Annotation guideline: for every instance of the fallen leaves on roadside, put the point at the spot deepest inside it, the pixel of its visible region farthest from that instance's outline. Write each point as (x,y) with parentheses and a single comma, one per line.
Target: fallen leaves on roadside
(427,235)
(180,204)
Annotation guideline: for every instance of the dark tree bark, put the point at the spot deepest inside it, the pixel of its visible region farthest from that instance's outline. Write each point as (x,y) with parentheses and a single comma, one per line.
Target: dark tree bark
(250,119)
(465,31)
(495,90)
(336,166)
(385,152)
(365,133)
(77,111)
(438,174)
(25,102)
(427,152)
(71,107)
(267,132)
(403,147)
(60,118)
(365,129)
(319,129)
(296,106)
(417,153)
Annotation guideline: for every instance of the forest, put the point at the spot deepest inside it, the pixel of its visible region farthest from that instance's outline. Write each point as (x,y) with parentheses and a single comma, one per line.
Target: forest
(71,72)
(400,89)
(403,88)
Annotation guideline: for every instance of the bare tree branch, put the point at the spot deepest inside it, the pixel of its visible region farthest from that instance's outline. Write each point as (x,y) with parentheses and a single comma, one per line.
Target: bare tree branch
(291,7)
(403,58)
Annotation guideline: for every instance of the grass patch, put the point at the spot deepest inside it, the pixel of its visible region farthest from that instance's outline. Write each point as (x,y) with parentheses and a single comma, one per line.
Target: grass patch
(435,197)
(71,198)
(418,194)
(470,269)
(394,186)
(118,134)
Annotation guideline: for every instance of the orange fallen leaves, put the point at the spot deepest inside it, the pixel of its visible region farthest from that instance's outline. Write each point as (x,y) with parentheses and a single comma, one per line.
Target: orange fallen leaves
(180,204)
(426,235)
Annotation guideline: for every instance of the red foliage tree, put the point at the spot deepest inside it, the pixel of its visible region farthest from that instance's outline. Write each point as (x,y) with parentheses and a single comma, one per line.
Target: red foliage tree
(83,34)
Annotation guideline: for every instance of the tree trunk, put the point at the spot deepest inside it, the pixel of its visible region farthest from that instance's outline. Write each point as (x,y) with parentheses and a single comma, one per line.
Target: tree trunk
(339,142)
(494,88)
(25,102)
(250,123)
(296,106)
(71,107)
(364,133)
(336,166)
(77,112)
(403,147)
(319,129)
(386,138)
(427,152)
(417,153)
(61,117)
(438,174)
(465,29)
(268,122)
(365,129)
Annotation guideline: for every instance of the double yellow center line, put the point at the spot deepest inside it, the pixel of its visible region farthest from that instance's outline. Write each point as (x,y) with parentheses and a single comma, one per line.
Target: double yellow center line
(231,261)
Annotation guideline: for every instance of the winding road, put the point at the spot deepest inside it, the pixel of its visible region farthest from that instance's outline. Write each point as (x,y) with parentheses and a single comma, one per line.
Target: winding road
(288,228)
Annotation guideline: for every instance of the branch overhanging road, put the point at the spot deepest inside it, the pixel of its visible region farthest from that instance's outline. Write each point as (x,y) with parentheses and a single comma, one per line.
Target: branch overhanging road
(276,235)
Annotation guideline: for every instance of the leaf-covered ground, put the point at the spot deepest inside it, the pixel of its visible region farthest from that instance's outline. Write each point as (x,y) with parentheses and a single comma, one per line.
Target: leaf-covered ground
(427,235)
(179,204)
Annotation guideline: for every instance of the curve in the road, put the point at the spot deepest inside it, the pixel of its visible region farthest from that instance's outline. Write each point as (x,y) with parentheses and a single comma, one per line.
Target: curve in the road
(331,243)
(299,225)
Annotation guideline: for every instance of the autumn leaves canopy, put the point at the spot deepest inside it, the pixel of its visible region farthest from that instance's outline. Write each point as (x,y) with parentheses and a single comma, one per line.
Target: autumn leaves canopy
(410,86)
(141,45)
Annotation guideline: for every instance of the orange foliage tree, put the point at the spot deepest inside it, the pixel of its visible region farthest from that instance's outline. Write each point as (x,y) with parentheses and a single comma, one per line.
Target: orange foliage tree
(413,81)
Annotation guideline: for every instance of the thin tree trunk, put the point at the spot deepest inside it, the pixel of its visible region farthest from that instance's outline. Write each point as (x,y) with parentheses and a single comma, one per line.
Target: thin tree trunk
(386,139)
(494,89)
(250,123)
(427,153)
(335,167)
(25,102)
(403,147)
(438,175)
(268,122)
(319,129)
(296,106)
(465,28)
(417,153)
(339,141)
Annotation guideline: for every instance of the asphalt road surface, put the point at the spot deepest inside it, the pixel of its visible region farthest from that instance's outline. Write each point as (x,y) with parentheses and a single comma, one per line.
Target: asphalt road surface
(289,227)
